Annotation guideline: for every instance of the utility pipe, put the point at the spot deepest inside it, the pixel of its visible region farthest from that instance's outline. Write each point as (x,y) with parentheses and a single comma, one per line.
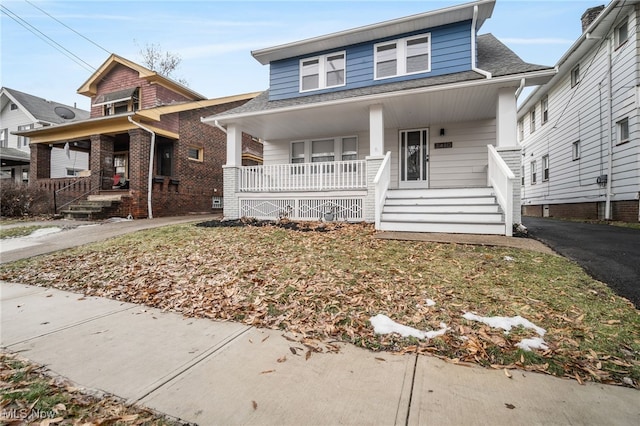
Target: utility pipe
(520,88)
(215,123)
(151,155)
(610,129)
(473,45)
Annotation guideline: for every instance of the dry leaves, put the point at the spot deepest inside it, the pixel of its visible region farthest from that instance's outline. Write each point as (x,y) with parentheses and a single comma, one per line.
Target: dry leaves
(321,287)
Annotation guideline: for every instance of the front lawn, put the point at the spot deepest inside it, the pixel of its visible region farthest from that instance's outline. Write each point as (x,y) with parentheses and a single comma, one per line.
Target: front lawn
(327,285)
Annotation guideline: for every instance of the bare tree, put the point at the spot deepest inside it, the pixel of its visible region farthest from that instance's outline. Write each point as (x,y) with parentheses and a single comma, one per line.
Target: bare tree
(163,62)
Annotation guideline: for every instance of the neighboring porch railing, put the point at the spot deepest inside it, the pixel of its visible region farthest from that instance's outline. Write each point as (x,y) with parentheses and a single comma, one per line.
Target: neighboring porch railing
(381,183)
(501,178)
(334,175)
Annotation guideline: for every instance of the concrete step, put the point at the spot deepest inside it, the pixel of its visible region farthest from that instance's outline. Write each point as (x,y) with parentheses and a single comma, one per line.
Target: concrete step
(441,208)
(440,193)
(430,201)
(104,197)
(444,227)
(489,218)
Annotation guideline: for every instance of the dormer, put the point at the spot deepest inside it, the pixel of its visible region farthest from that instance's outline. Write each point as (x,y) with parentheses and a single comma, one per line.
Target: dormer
(420,46)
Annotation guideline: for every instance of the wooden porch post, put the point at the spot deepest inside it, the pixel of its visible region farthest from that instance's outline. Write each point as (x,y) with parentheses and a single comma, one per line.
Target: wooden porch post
(506,119)
(376,130)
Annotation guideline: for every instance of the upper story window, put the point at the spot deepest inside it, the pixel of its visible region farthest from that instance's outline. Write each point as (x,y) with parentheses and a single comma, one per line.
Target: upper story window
(322,72)
(521,130)
(532,119)
(13,106)
(623,131)
(621,33)
(575,75)
(404,56)
(23,140)
(4,138)
(534,174)
(119,102)
(545,168)
(544,107)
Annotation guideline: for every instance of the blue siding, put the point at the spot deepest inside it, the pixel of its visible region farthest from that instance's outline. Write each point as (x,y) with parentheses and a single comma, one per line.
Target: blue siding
(450,53)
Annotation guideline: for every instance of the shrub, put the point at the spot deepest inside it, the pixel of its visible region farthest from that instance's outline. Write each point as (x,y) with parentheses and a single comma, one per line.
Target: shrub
(17,200)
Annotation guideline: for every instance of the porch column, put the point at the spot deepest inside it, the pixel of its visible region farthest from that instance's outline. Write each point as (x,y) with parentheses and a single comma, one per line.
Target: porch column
(376,130)
(101,163)
(231,205)
(40,162)
(506,119)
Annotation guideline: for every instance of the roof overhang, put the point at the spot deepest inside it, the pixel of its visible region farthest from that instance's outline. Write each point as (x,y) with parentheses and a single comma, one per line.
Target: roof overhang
(435,18)
(14,157)
(468,101)
(594,34)
(110,125)
(114,97)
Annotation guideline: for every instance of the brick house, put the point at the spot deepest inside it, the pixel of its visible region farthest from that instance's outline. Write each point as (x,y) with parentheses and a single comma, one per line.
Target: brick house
(136,116)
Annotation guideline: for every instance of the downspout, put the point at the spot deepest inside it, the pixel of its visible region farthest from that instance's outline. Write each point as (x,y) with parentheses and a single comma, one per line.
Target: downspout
(151,155)
(520,88)
(487,74)
(607,207)
(215,123)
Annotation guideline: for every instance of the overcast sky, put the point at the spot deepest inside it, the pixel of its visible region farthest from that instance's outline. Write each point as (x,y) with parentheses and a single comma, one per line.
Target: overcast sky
(50,48)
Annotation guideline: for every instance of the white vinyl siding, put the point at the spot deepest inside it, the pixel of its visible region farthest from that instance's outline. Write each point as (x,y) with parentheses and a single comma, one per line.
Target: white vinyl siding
(322,72)
(578,141)
(404,56)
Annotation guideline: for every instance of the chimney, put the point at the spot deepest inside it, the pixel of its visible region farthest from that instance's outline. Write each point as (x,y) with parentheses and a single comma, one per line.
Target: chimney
(590,15)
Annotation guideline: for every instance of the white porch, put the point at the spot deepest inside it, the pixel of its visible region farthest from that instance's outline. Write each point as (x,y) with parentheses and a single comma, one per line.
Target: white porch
(357,190)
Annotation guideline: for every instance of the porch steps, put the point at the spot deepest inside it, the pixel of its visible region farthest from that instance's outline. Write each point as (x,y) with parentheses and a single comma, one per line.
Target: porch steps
(448,210)
(95,207)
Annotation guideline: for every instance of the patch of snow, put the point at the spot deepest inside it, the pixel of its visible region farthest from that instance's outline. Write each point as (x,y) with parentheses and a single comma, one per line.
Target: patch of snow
(430,302)
(44,231)
(627,381)
(505,323)
(119,219)
(382,324)
(508,258)
(534,343)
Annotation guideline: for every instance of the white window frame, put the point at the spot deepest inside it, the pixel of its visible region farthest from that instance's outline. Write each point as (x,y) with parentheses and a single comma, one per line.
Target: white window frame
(545,168)
(620,37)
(534,179)
(532,120)
(521,129)
(4,138)
(338,152)
(401,56)
(575,150)
(323,61)
(23,140)
(623,131)
(71,172)
(544,110)
(575,76)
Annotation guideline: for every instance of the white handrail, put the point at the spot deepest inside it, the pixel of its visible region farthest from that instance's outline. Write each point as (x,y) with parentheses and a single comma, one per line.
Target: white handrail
(381,183)
(500,177)
(330,175)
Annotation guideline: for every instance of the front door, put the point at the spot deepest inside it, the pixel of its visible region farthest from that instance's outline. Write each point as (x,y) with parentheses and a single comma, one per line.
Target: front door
(414,158)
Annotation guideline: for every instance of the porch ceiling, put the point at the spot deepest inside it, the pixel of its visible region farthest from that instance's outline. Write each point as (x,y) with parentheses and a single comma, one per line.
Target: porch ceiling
(404,110)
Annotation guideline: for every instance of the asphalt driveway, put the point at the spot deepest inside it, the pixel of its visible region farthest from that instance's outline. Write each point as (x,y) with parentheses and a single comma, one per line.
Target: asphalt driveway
(610,254)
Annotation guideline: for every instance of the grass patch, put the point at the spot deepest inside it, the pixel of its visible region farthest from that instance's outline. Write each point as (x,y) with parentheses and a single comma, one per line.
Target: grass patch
(326,285)
(30,396)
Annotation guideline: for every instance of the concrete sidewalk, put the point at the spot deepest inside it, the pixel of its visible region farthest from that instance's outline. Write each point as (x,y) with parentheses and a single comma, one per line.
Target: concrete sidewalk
(210,372)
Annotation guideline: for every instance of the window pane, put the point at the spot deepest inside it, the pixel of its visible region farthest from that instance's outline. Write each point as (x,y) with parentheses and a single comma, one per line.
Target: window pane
(386,62)
(297,149)
(322,150)
(418,54)
(335,70)
(335,78)
(349,145)
(310,82)
(310,74)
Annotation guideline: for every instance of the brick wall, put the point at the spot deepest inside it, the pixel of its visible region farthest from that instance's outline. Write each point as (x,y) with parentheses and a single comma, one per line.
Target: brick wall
(40,162)
(625,211)
(101,161)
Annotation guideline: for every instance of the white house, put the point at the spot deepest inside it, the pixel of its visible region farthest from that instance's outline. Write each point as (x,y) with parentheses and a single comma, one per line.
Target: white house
(580,131)
(408,123)
(21,111)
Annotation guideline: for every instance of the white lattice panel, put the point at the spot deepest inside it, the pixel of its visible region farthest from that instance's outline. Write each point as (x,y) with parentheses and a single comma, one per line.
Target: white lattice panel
(344,209)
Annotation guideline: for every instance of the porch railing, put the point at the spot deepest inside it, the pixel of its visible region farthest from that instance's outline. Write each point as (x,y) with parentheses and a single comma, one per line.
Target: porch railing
(66,190)
(501,178)
(381,183)
(333,175)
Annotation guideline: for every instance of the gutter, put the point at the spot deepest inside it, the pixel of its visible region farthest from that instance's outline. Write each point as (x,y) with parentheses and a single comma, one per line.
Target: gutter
(151,155)
(610,129)
(474,52)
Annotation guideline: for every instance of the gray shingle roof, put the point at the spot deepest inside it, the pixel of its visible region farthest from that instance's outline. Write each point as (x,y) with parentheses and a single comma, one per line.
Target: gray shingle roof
(45,110)
(493,56)
(14,154)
